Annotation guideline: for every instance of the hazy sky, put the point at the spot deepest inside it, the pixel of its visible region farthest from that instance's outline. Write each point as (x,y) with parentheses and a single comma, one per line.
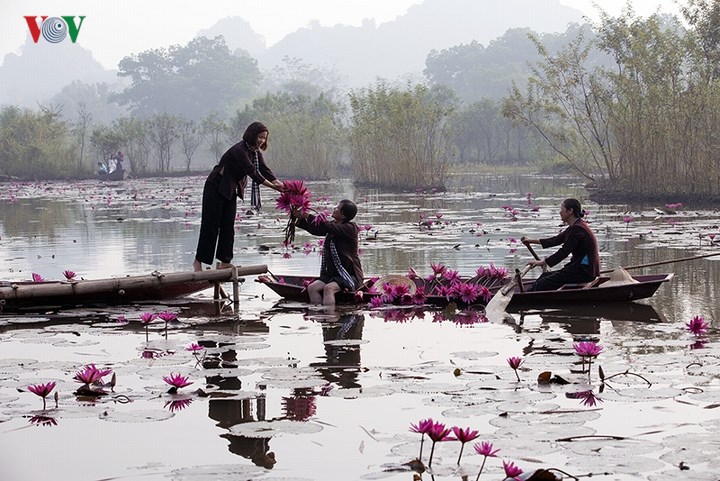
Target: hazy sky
(112,30)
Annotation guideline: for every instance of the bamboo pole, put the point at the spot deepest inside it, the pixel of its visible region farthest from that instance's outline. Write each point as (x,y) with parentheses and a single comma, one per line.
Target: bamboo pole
(114,286)
(660,263)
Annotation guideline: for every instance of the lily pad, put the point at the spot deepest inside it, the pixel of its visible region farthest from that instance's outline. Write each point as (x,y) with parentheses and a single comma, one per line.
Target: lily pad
(267,429)
(140,416)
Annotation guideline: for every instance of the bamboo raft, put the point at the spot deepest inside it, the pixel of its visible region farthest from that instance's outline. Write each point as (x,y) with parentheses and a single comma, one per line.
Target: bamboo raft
(28,295)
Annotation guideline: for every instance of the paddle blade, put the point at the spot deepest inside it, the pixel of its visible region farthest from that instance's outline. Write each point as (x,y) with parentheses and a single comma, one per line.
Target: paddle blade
(499,302)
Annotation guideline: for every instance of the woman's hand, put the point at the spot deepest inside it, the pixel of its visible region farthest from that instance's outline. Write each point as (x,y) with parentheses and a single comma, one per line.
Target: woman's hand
(540,263)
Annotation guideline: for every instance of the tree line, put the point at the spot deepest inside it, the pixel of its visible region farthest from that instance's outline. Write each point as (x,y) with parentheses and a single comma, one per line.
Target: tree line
(630,104)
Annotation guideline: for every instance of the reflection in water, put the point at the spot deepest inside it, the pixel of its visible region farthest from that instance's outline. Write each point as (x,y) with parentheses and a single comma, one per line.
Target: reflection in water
(580,320)
(229,412)
(42,420)
(177,404)
(342,362)
(300,406)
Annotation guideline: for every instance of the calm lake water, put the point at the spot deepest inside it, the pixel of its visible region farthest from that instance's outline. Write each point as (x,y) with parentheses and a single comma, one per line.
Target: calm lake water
(294,393)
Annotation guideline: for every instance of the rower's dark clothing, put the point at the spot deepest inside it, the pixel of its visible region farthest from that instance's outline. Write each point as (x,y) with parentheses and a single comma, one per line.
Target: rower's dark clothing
(584,264)
(223,186)
(345,237)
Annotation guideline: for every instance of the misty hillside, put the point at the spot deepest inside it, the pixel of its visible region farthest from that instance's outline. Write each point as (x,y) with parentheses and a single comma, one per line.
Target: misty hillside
(239,35)
(399,47)
(357,54)
(25,84)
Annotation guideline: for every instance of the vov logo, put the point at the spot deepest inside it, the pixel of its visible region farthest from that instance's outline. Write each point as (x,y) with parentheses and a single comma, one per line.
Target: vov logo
(54,29)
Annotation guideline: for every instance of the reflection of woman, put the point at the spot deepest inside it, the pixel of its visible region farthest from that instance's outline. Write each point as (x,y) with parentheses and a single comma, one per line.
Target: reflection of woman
(578,240)
(341,359)
(256,450)
(223,186)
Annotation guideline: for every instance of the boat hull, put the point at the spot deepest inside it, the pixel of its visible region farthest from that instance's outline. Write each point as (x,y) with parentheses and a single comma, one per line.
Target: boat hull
(291,288)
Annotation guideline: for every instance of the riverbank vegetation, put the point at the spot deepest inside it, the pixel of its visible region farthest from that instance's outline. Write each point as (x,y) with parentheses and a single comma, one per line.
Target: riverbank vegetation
(630,104)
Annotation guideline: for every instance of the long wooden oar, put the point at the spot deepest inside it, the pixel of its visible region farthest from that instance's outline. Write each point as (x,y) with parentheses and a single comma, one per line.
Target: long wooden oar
(660,263)
(502,297)
(532,251)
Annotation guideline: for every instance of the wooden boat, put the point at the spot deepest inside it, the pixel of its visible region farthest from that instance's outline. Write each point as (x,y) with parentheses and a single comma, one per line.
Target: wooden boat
(119,174)
(599,291)
(28,295)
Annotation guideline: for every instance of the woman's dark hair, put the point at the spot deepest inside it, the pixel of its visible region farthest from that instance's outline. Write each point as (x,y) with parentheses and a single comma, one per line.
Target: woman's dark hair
(574,205)
(251,134)
(348,209)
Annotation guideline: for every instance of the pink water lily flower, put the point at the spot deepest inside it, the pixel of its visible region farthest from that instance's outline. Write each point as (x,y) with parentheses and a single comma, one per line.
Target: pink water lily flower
(37,277)
(375,302)
(423,427)
(451,275)
(321,217)
(511,471)
(587,348)
(486,450)
(515,363)
(69,275)
(91,374)
(438,433)
(697,326)
(147,317)
(464,436)
(194,347)
(42,390)
(438,269)
(177,380)
(167,316)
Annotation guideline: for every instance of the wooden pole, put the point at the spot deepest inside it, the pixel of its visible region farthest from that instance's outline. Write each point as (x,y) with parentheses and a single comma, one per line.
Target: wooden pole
(236,286)
(660,263)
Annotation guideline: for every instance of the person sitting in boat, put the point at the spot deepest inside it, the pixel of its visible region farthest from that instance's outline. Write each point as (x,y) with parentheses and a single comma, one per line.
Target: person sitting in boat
(102,169)
(340,267)
(119,159)
(578,240)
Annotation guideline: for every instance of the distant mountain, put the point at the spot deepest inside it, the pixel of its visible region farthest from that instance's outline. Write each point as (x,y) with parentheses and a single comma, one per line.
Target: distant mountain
(60,64)
(359,54)
(399,47)
(238,35)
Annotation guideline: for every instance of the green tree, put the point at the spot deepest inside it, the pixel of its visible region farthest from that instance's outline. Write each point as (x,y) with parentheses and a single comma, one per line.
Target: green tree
(190,140)
(36,145)
(645,127)
(214,131)
(135,135)
(164,132)
(190,81)
(400,138)
(306,135)
(105,140)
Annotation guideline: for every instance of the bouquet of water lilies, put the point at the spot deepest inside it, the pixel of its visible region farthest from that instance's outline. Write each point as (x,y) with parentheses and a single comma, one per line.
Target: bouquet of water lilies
(295,197)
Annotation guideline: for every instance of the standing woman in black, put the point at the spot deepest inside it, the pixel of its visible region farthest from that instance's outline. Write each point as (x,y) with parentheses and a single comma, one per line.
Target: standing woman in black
(223,186)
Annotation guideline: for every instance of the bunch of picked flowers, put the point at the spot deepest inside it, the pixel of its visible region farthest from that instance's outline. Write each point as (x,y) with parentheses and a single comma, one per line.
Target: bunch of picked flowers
(295,196)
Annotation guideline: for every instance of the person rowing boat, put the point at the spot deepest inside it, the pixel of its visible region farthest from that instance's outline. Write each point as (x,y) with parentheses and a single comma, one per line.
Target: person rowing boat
(578,240)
